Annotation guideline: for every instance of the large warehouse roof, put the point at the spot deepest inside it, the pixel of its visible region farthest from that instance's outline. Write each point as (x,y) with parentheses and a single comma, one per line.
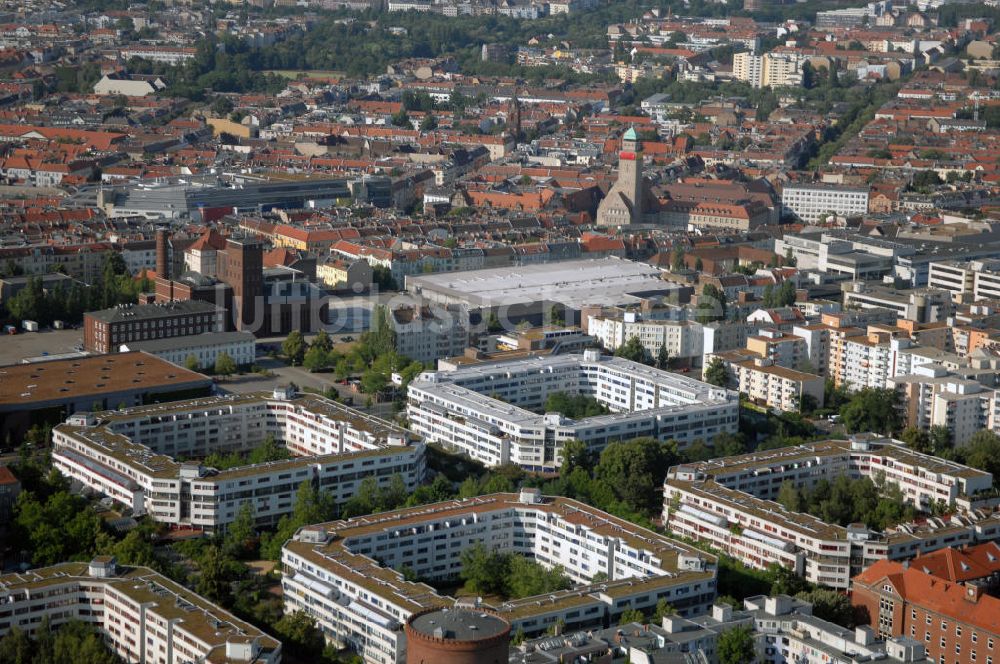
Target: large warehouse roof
(574,284)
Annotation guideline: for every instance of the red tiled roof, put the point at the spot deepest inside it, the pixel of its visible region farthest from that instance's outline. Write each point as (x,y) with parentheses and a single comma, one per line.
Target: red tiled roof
(966,603)
(961,564)
(7,477)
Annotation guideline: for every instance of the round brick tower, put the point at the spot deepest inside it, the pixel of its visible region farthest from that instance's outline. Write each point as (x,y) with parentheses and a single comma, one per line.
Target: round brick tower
(457,636)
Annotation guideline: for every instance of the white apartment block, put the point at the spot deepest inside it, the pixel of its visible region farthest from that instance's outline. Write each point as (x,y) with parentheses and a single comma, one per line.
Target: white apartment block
(810,202)
(345,574)
(784,631)
(865,363)
(729,503)
(682,339)
(781,69)
(978,279)
(770,70)
(748,68)
(171,55)
(783,349)
(817,341)
(128,455)
(770,384)
(923,305)
(428,333)
(934,397)
(486,411)
(142,615)
(205,348)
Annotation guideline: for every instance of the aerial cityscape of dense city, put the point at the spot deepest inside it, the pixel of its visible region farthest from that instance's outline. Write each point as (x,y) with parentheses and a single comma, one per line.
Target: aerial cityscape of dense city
(499,332)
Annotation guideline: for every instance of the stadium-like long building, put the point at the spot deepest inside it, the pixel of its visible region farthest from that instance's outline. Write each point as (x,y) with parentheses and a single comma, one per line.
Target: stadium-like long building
(142,615)
(346,574)
(130,455)
(485,411)
(730,503)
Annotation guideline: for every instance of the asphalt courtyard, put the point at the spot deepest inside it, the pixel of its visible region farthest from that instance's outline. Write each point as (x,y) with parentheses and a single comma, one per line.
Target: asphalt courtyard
(16,347)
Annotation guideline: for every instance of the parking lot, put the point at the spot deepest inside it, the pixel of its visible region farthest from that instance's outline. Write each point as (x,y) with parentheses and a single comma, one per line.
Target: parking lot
(16,347)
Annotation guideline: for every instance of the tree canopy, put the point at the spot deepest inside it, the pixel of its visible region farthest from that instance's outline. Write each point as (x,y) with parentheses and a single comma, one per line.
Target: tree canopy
(717,373)
(74,642)
(511,576)
(845,501)
(635,351)
(635,470)
(872,409)
(736,646)
(574,406)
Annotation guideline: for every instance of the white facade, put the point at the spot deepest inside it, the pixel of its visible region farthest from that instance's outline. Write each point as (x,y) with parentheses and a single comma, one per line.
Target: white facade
(768,70)
(143,616)
(933,397)
(206,348)
(483,410)
(350,585)
(784,631)
(765,382)
(953,276)
(866,363)
(728,503)
(748,68)
(137,87)
(129,455)
(171,55)
(428,334)
(924,305)
(682,339)
(810,202)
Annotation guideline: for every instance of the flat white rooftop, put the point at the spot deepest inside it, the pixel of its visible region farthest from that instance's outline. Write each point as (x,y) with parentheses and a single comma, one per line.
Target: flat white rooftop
(577,283)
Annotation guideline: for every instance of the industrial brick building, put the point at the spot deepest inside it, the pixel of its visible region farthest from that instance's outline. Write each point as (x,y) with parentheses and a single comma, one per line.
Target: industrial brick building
(105,331)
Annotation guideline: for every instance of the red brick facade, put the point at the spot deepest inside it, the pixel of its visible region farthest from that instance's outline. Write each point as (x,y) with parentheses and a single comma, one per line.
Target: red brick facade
(957,624)
(423,648)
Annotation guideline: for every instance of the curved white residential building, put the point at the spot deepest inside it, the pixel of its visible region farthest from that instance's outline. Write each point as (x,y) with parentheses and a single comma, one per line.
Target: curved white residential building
(346,574)
(486,411)
(129,455)
(142,615)
(730,503)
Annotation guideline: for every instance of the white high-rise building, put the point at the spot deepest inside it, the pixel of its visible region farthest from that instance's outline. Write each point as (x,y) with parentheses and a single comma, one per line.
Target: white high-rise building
(770,70)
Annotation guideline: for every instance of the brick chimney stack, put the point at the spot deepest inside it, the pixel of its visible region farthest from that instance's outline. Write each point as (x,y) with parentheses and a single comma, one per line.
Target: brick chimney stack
(162,256)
